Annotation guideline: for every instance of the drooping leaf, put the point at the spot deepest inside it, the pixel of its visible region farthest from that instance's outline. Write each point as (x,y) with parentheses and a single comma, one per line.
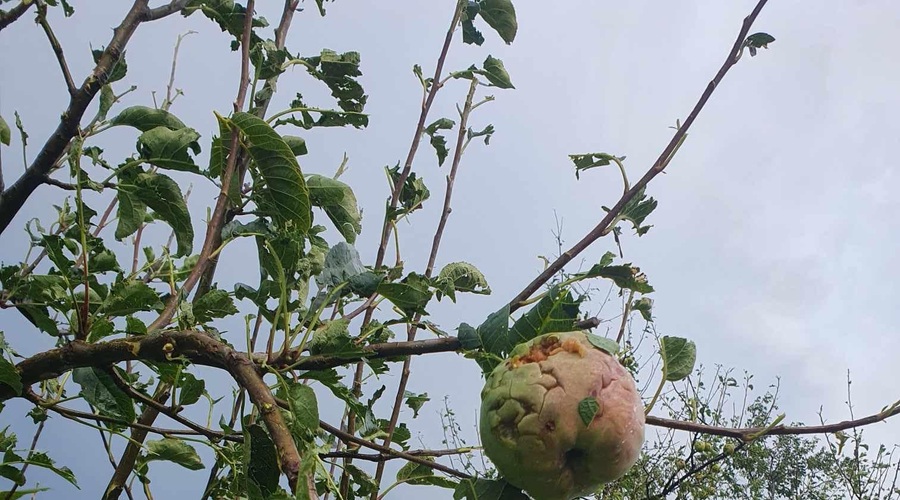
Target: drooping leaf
(413,193)
(339,72)
(471,35)
(5,132)
(285,195)
(339,204)
(461,277)
(496,73)
(230,17)
(422,475)
(215,303)
(118,69)
(592,160)
(9,376)
(190,388)
(758,41)
(130,210)
(166,148)
(146,119)
(303,407)
(98,389)
(41,459)
(625,276)
(500,15)
(174,450)
(262,465)
(415,401)
(129,297)
(438,141)
(555,312)
(298,147)
(341,263)
(636,210)
(644,305)
(679,355)
(410,295)
(162,194)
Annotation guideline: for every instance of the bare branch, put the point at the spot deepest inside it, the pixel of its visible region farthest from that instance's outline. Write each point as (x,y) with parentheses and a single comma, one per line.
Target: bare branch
(664,158)
(57,48)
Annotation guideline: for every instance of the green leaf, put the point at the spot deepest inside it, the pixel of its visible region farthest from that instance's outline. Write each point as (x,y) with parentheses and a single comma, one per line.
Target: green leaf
(487,489)
(365,284)
(415,401)
(284,195)
(162,194)
(338,72)
(342,262)
(679,356)
(118,69)
(40,459)
(422,475)
(636,210)
(471,35)
(644,305)
(492,337)
(99,390)
(298,147)
(592,160)
(100,329)
(438,141)
(333,338)
(410,295)
(168,149)
(588,409)
(129,297)
(214,304)
(106,101)
(22,134)
(131,212)
(145,119)
(555,312)
(496,73)
(303,407)
(174,450)
(190,389)
(462,277)
(609,346)
(10,376)
(500,15)
(134,326)
(5,132)
(339,204)
(625,276)
(758,41)
(262,466)
(22,493)
(412,195)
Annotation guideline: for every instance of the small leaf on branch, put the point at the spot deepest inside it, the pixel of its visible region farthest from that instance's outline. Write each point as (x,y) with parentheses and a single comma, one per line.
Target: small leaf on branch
(679,355)
(175,451)
(500,15)
(145,119)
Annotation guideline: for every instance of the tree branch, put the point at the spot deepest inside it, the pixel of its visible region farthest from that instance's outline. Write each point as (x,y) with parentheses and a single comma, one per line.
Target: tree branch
(664,158)
(10,16)
(57,48)
(14,197)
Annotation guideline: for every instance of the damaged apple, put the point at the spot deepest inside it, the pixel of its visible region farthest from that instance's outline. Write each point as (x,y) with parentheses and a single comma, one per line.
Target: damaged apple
(560,417)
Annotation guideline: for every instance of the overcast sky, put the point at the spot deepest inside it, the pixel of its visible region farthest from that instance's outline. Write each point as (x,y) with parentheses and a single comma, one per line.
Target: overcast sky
(774,245)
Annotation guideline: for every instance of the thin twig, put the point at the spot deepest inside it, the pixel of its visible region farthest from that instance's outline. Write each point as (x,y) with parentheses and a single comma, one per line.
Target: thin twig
(664,158)
(54,44)
(429,270)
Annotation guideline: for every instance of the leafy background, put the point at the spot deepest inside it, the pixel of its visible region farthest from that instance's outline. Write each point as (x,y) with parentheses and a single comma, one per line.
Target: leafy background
(774,244)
